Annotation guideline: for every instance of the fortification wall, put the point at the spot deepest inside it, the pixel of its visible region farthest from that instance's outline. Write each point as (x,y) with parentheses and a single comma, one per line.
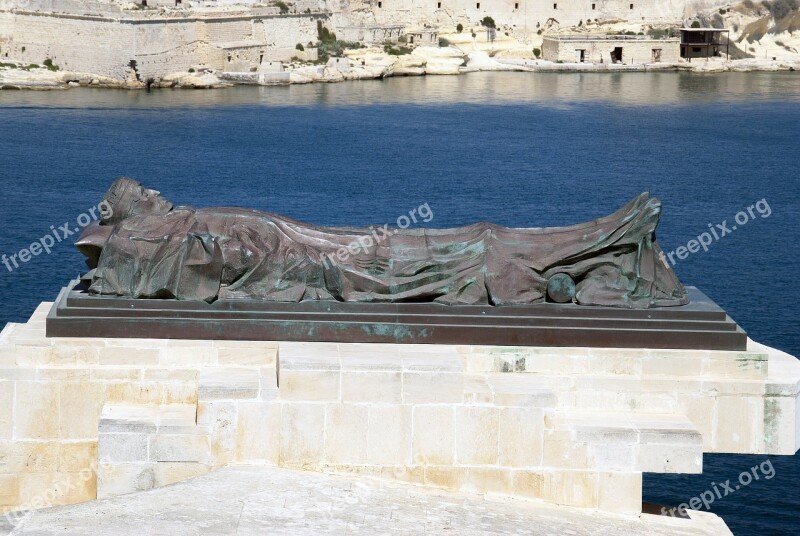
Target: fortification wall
(106,46)
(526,15)
(73,43)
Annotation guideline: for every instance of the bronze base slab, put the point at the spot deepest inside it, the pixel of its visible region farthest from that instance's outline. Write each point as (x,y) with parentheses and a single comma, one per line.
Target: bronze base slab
(700,325)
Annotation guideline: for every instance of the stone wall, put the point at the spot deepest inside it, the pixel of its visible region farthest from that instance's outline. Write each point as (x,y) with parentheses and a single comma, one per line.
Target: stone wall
(525,16)
(104,45)
(598,50)
(81,418)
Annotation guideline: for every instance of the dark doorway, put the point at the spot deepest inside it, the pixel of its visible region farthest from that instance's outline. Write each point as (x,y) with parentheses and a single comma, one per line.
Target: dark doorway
(616,55)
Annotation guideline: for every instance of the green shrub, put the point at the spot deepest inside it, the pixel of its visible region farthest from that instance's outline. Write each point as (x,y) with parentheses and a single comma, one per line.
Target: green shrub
(280,5)
(402,39)
(460,28)
(488,22)
(695,24)
(324,34)
(779,8)
(300,47)
(443,42)
(537,52)
(748,4)
(49,64)
(396,51)
(335,49)
(191,69)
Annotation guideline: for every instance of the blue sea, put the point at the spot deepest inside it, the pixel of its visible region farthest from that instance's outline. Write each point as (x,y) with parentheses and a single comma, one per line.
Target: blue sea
(520,149)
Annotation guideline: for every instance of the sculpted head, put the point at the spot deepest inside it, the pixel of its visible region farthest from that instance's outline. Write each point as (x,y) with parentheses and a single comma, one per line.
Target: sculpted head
(127,197)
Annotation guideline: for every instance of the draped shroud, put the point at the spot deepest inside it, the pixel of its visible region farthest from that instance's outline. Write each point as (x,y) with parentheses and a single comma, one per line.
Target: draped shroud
(234,253)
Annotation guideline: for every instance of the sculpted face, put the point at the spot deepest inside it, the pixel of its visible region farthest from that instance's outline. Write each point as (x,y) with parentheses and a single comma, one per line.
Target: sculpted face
(127,197)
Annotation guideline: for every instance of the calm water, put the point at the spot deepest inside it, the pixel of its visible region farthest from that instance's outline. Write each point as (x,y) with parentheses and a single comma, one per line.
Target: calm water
(518,149)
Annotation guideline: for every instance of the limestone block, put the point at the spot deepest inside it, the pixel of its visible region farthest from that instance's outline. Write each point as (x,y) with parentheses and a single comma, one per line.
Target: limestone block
(126,356)
(6,409)
(177,393)
(488,480)
(40,490)
(141,393)
(119,479)
(437,359)
(571,488)
(389,435)
(521,437)
(178,419)
(170,374)
(477,389)
(29,457)
(781,425)
(62,374)
(433,436)
(447,477)
(620,493)
(9,490)
(669,458)
(672,364)
(115,448)
(302,435)
(309,385)
(561,450)
(269,383)
(527,483)
(18,373)
(257,355)
(374,387)
(371,357)
(346,433)
(221,427)
(477,435)
(753,365)
(229,383)
(617,456)
(308,356)
(520,390)
(258,432)
(740,424)
(700,410)
(204,354)
(179,448)
(167,473)
(80,406)
(433,387)
(68,354)
(128,419)
(8,355)
(77,456)
(413,475)
(36,410)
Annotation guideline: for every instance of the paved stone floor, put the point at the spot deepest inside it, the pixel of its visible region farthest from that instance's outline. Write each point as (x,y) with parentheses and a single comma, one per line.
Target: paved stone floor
(268,501)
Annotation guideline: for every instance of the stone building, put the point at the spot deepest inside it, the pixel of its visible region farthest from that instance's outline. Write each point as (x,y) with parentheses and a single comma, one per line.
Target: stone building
(703,43)
(586,48)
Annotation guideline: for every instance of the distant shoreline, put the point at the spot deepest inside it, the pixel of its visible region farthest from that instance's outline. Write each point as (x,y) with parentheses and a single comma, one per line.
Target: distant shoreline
(43,79)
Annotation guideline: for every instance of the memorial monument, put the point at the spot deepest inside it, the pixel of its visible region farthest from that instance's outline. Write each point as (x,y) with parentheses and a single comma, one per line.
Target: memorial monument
(557,364)
(145,247)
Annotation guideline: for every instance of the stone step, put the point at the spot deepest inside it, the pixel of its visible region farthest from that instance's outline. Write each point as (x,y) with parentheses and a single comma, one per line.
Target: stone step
(140,447)
(646,442)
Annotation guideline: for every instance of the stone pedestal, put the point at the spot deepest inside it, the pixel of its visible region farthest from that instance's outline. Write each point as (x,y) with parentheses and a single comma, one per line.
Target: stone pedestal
(86,418)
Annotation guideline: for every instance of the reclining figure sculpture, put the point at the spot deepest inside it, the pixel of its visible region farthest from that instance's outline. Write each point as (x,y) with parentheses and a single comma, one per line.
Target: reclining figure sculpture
(144,247)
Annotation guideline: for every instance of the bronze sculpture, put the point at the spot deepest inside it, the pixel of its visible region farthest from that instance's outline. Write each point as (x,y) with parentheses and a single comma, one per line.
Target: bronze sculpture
(144,247)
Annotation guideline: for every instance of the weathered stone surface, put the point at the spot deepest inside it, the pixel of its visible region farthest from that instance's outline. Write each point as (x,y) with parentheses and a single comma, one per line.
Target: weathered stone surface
(251,500)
